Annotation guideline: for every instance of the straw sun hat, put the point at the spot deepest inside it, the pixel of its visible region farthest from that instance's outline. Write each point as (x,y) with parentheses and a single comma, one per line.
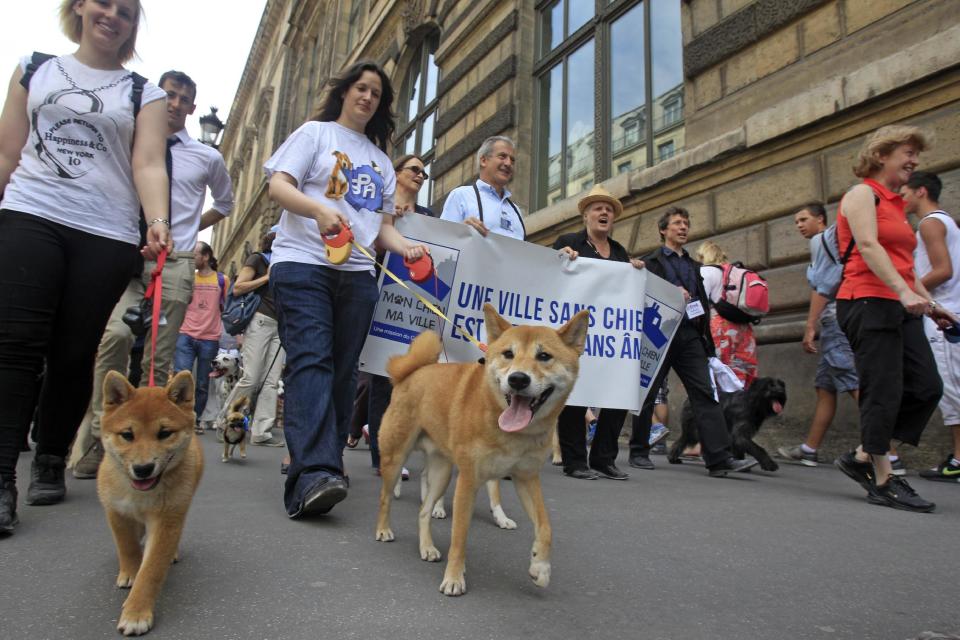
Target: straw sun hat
(599,194)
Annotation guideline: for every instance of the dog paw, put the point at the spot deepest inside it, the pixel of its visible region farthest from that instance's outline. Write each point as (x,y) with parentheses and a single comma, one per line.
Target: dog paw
(396,490)
(224,459)
(438,512)
(124,580)
(771,466)
(385,535)
(135,623)
(540,572)
(243,456)
(556,461)
(501,518)
(430,554)
(453,586)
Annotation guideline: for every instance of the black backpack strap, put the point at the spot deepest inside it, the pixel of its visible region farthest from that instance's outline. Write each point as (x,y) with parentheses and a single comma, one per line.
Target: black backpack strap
(846,254)
(479,204)
(826,247)
(36,60)
(136,92)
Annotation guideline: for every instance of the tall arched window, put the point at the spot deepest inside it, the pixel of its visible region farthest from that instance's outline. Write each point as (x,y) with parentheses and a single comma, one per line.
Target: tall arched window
(418,103)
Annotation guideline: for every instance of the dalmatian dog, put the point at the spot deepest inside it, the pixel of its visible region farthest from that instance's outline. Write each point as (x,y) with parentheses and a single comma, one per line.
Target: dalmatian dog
(226,370)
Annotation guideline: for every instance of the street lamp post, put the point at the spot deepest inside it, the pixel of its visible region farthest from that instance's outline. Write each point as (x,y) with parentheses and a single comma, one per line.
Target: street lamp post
(210,128)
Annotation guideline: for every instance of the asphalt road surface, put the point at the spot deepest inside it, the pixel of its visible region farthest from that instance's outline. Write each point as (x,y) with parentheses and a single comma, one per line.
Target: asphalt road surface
(670,553)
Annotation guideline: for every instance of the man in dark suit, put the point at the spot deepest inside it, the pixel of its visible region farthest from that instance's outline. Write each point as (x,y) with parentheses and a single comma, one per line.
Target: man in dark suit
(687,354)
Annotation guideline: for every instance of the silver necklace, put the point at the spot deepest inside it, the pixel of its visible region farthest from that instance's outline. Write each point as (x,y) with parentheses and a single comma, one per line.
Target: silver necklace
(74,84)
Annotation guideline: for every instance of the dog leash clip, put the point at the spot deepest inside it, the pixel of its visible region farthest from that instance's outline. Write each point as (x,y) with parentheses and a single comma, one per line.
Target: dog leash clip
(339,245)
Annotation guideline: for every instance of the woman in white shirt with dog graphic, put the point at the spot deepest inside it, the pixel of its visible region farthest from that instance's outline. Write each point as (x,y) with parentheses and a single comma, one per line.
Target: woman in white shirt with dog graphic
(74,177)
(331,172)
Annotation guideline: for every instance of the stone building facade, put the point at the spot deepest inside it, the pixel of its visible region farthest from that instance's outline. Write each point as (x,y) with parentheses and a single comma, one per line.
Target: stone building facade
(739,110)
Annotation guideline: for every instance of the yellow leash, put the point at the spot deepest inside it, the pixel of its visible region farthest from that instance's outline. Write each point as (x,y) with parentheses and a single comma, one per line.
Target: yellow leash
(338,251)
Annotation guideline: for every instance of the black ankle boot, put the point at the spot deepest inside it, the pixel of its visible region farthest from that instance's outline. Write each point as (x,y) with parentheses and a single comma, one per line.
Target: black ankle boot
(8,506)
(46,480)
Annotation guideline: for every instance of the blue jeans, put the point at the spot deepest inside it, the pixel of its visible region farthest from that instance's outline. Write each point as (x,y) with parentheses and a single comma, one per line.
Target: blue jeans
(203,352)
(324,315)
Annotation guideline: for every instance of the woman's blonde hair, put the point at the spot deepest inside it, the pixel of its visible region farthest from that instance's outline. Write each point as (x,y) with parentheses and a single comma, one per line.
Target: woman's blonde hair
(710,253)
(882,142)
(72,26)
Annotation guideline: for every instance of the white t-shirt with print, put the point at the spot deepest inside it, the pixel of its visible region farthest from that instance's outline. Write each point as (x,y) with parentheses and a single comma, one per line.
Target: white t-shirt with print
(75,167)
(342,169)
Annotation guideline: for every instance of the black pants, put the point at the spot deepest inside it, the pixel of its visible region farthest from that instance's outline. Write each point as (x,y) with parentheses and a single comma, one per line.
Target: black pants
(899,383)
(571,431)
(380,392)
(57,289)
(687,356)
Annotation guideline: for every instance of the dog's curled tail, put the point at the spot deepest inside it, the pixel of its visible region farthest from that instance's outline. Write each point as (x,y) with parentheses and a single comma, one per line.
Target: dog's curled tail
(425,349)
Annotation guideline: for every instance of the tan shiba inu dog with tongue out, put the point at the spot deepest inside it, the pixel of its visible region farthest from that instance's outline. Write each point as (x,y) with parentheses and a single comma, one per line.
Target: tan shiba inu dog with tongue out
(146,482)
(491,420)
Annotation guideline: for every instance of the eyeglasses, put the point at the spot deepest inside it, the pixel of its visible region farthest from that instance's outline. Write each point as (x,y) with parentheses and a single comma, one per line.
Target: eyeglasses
(417,171)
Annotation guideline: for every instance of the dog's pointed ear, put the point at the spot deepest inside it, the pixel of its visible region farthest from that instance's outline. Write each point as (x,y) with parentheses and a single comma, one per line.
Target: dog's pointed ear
(574,332)
(496,324)
(180,390)
(116,390)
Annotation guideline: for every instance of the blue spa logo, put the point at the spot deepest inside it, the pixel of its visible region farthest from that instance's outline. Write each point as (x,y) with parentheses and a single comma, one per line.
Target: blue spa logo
(366,188)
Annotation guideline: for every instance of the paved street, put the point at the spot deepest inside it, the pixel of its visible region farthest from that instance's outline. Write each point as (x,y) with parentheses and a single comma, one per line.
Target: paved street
(668,554)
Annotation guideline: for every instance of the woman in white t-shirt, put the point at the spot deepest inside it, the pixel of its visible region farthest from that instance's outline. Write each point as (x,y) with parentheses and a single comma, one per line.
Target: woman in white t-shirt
(330,172)
(73,179)
(734,341)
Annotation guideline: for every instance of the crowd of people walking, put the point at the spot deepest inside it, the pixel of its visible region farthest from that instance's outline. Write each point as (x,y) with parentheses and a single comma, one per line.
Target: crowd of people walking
(74,270)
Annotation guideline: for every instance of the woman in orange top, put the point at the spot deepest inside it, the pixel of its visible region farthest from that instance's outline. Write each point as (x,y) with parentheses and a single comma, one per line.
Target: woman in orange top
(879,308)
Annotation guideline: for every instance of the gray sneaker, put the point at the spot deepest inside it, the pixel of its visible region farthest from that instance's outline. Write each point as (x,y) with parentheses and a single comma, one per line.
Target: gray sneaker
(272,441)
(86,467)
(798,455)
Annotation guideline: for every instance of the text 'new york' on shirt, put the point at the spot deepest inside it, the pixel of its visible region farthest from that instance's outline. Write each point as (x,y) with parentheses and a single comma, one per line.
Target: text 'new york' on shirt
(75,167)
(342,169)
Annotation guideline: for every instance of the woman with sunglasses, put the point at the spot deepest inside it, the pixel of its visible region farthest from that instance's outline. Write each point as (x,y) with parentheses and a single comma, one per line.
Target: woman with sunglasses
(411,177)
(329,174)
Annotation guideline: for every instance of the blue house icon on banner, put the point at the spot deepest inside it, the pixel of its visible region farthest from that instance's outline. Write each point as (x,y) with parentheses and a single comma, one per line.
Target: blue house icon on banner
(651,326)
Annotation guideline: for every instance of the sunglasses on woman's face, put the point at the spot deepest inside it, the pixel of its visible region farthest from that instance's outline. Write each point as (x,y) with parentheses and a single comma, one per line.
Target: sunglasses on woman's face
(417,171)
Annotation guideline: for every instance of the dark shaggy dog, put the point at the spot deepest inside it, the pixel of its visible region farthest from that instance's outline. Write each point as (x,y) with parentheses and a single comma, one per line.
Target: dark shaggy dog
(744,411)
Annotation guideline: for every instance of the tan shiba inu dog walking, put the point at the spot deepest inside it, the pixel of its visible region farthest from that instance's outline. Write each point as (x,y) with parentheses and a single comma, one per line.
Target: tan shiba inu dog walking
(491,420)
(146,482)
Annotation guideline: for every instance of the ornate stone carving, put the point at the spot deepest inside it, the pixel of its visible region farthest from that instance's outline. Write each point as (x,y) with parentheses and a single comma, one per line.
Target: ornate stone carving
(412,15)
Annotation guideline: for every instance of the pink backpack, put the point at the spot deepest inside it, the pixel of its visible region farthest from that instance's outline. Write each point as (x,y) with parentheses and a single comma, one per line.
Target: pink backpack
(745,298)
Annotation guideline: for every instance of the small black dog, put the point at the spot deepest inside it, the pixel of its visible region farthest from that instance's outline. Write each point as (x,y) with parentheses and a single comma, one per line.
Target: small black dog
(744,411)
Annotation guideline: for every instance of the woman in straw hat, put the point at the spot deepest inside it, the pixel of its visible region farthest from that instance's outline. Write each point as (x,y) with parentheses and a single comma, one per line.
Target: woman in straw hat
(599,210)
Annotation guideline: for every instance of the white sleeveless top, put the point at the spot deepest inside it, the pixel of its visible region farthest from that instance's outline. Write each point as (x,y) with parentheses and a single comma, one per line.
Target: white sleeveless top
(948,293)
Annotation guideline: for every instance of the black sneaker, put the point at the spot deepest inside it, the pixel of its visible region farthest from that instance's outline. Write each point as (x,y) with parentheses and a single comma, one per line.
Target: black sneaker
(861,472)
(641,462)
(898,493)
(610,472)
(8,506)
(321,497)
(47,485)
(581,473)
(731,465)
(946,471)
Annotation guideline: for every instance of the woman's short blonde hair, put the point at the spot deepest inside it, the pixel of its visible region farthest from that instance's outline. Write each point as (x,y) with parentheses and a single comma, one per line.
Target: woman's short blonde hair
(882,142)
(72,26)
(710,253)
